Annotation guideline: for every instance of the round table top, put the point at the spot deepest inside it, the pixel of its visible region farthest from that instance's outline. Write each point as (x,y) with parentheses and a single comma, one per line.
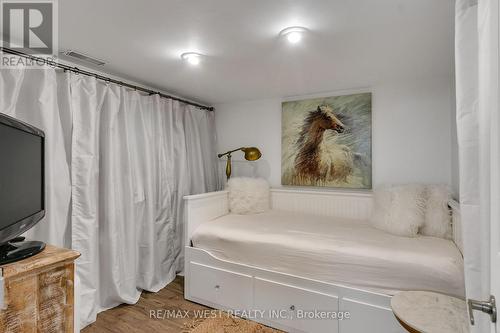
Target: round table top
(429,312)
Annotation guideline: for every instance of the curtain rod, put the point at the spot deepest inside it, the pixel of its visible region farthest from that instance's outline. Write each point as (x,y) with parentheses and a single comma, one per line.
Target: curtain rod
(99,77)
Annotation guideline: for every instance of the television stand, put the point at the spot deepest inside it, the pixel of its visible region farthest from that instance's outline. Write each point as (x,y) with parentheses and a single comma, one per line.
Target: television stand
(18,249)
(38,293)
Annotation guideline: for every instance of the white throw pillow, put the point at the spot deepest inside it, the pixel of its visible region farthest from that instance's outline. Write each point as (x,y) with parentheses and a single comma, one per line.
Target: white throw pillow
(437,213)
(399,210)
(248,195)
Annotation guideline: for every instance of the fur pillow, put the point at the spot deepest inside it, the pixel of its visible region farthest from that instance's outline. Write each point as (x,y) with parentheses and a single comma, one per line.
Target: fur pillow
(248,195)
(399,210)
(437,214)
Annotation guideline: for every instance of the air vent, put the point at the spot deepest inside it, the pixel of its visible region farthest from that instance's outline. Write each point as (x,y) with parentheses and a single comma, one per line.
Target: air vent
(84,57)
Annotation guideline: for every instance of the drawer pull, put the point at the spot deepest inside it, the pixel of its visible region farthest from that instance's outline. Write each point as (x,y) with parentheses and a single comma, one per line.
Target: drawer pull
(217,287)
(292,308)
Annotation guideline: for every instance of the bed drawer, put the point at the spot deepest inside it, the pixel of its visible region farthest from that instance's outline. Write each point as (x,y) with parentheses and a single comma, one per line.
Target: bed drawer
(229,289)
(366,317)
(278,300)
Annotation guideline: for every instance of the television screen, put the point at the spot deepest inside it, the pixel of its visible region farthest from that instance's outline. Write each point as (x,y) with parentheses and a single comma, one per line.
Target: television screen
(21,175)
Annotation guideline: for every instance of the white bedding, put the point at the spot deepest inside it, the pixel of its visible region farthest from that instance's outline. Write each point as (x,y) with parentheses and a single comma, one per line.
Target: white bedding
(340,251)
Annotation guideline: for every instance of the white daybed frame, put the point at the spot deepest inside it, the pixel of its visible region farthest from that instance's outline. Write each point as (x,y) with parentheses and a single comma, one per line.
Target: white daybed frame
(226,285)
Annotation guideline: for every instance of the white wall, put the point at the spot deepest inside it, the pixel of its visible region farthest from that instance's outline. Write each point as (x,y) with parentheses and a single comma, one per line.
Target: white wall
(411,133)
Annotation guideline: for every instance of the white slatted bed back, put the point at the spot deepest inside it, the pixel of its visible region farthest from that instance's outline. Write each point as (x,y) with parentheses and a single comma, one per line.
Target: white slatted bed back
(354,205)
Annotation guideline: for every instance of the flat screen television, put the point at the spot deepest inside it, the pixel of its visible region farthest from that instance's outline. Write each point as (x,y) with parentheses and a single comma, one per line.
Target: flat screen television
(22,187)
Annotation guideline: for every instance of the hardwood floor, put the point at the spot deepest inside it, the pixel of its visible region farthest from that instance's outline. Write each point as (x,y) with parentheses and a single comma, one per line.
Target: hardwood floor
(137,318)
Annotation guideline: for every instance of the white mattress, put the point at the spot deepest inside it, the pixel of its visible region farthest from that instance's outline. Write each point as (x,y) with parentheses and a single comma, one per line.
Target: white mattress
(339,251)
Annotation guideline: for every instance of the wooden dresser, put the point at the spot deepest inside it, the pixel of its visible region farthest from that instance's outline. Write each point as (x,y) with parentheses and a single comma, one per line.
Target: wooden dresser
(38,293)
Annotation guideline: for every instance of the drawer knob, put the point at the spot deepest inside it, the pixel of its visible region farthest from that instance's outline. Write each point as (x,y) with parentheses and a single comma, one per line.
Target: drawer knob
(292,307)
(217,287)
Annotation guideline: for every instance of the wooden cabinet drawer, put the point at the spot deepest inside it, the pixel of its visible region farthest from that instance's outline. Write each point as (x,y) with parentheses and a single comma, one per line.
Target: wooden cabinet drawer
(229,289)
(278,300)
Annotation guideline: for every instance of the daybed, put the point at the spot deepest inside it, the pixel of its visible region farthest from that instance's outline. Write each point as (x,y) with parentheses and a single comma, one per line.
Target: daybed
(314,251)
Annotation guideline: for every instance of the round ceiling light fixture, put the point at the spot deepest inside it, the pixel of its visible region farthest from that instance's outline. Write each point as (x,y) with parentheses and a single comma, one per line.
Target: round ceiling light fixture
(192,58)
(293,34)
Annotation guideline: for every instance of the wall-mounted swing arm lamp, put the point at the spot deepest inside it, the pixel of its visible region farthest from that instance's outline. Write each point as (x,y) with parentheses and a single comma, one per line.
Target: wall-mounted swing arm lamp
(251,154)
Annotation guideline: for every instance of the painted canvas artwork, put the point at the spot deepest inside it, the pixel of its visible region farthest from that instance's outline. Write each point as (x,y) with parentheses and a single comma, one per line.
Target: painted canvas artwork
(327,142)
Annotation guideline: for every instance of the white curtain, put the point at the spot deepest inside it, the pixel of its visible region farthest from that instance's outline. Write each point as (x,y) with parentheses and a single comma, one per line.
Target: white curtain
(118,164)
(32,96)
(477,130)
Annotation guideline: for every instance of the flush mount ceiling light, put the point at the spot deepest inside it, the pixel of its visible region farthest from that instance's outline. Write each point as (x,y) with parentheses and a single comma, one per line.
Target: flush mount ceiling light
(192,58)
(293,34)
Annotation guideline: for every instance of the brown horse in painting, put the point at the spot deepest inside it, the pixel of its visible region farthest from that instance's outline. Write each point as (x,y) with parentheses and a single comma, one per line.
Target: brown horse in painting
(308,160)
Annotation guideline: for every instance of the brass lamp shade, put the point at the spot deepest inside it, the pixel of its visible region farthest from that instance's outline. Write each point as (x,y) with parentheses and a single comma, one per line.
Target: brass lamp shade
(251,154)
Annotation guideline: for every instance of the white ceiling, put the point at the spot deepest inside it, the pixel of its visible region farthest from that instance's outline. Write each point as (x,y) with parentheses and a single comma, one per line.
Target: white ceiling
(351,43)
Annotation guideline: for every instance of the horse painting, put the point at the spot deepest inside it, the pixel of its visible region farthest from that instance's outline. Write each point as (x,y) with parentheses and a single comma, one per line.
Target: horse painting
(327,142)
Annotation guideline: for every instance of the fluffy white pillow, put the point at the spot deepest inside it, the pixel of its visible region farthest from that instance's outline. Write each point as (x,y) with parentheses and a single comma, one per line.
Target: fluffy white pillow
(437,213)
(248,195)
(399,210)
